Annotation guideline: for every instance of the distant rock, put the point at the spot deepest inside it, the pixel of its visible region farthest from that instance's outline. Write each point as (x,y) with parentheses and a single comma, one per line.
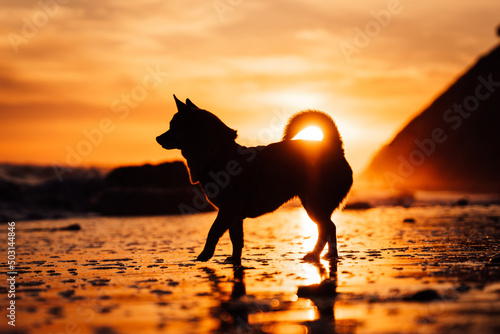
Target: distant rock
(150,190)
(358,206)
(462,202)
(426,295)
(135,201)
(165,175)
(453,144)
(71,227)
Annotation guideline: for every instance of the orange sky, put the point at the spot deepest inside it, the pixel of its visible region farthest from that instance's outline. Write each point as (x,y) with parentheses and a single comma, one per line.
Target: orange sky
(97,78)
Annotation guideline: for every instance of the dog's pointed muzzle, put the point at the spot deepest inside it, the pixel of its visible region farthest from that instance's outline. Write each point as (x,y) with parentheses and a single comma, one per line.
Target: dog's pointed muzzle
(168,141)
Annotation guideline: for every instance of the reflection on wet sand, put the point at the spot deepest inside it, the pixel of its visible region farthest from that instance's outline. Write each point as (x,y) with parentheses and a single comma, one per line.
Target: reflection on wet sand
(234,310)
(425,270)
(323,297)
(233,313)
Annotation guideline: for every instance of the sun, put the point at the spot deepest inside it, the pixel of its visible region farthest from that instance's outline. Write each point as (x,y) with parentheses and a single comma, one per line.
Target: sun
(310,133)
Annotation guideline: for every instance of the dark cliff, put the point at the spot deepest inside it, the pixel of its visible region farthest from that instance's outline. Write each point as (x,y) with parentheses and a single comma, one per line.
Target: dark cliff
(453,144)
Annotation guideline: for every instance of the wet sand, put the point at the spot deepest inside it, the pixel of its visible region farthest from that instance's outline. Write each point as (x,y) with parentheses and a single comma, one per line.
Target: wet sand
(415,270)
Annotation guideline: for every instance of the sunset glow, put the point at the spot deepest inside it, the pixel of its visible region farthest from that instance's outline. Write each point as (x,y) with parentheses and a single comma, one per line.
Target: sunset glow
(310,133)
(69,68)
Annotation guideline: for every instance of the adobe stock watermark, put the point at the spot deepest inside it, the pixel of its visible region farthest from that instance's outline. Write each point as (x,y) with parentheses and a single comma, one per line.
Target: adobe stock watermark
(11,273)
(454,118)
(121,106)
(222,7)
(47,9)
(372,29)
(233,168)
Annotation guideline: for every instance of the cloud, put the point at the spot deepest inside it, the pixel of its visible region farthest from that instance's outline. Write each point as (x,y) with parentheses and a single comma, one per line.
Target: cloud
(259,56)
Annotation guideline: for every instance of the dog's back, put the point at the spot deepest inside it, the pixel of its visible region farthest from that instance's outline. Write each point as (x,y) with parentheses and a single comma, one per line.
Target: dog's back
(315,171)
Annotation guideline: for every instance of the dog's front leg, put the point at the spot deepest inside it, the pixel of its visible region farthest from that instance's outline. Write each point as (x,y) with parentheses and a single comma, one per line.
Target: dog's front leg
(236,235)
(224,220)
(332,244)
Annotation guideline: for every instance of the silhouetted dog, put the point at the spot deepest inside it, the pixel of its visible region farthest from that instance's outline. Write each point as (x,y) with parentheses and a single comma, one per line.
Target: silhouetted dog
(250,181)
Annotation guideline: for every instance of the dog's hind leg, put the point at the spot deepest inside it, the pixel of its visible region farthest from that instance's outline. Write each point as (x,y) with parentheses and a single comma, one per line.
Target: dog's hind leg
(327,232)
(331,238)
(236,235)
(225,218)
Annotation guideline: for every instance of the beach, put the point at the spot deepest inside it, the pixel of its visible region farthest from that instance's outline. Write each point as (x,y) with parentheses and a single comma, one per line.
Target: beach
(424,269)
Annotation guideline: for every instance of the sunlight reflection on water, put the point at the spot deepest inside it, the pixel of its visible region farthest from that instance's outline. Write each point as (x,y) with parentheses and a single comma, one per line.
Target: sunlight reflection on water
(307,230)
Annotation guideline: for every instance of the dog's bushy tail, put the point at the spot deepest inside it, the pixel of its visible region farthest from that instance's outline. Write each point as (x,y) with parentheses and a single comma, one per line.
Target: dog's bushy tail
(303,119)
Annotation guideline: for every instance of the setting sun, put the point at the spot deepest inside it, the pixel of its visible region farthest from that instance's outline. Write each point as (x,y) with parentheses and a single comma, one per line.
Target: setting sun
(310,133)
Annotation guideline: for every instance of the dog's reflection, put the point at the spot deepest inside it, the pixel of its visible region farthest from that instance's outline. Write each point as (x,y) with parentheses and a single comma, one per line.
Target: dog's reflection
(235,311)
(235,308)
(323,297)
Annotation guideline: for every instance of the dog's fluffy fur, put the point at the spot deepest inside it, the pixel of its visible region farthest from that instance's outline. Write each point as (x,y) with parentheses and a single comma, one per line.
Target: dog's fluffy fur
(251,181)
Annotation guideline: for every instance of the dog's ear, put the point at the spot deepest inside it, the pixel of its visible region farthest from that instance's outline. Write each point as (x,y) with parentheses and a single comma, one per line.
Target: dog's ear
(191,104)
(181,107)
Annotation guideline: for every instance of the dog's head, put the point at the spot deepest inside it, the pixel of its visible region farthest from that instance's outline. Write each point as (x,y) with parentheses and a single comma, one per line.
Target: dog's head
(192,125)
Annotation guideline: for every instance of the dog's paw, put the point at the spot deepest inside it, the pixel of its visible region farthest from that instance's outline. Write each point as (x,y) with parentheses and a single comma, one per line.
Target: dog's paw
(231,260)
(331,256)
(311,257)
(204,256)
